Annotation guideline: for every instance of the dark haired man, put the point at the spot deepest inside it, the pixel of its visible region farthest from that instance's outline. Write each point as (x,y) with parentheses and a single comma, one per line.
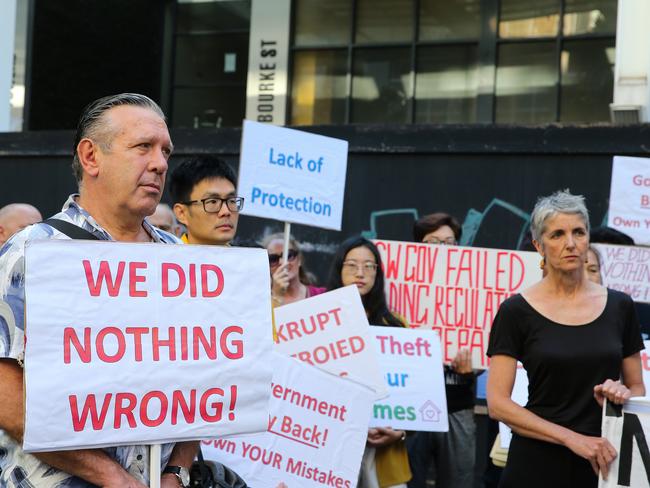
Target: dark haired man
(203,190)
(120,162)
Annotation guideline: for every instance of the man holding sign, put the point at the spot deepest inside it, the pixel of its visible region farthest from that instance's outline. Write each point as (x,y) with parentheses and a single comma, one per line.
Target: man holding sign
(120,162)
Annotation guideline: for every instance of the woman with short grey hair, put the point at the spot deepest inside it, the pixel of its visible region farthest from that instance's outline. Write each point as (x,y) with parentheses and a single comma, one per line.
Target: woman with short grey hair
(579,343)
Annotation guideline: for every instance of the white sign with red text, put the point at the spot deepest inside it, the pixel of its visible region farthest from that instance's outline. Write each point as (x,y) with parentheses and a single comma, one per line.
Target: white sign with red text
(317,431)
(412,366)
(331,331)
(629,198)
(144,343)
(625,268)
(454,290)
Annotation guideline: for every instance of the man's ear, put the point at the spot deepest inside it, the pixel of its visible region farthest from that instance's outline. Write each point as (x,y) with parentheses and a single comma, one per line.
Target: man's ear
(180,211)
(3,237)
(87,152)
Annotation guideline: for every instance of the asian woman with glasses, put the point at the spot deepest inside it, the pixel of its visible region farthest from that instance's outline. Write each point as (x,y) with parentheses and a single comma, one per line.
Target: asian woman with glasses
(357,262)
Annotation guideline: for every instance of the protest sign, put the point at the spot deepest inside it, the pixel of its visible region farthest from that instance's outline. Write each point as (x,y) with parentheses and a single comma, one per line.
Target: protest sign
(292,176)
(144,343)
(331,331)
(625,268)
(454,290)
(412,366)
(627,428)
(629,198)
(317,431)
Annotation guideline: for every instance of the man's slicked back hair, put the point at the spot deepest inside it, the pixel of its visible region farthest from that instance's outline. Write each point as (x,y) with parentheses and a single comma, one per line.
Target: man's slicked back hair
(93,125)
(192,171)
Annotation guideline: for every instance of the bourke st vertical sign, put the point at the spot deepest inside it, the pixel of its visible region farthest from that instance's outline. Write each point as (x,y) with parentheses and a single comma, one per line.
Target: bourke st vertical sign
(454,290)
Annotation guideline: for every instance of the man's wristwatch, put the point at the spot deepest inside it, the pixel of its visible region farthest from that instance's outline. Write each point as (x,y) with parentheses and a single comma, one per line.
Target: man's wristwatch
(181,473)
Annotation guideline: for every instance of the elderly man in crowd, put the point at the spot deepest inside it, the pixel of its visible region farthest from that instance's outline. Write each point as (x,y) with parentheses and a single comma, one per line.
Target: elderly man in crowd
(164,219)
(120,162)
(15,217)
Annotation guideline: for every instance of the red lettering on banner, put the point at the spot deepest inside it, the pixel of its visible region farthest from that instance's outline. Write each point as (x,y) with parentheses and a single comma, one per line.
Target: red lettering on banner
(179,401)
(70,336)
(122,410)
(311,435)
(89,408)
(307,325)
(332,351)
(152,410)
(408,299)
(190,277)
(137,333)
(422,266)
(112,344)
(210,349)
(207,293)
(135,278)
(104,275)
(452,339)
(170,343)
(519,270)
(464,266)
(166,268)
(266,456)
(144,408)
(390,262)
(500,270)
(99,345)
(216,407)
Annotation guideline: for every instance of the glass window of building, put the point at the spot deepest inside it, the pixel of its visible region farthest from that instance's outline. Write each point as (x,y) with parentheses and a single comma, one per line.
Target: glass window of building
(446,84)
(555,61)
(405,61)
(210,63)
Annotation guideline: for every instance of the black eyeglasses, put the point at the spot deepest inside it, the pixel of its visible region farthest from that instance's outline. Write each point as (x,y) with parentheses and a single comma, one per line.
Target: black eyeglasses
(214,204)
(274,259)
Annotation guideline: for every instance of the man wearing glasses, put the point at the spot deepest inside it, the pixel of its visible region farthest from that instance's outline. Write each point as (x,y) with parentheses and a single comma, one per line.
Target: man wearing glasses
(203,189)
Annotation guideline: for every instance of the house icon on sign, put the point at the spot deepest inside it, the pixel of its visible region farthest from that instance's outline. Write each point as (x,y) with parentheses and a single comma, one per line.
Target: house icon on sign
(430,412)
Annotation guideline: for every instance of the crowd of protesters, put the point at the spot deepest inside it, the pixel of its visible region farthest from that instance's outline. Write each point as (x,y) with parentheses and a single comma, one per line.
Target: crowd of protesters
(121,157)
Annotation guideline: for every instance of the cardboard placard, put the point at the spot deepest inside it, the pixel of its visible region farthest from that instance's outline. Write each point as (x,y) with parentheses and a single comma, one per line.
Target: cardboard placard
(331,331)
(412,365)
(292,176)
(317,431)
(454,290)
(144,343)
(629,198)
(626,268)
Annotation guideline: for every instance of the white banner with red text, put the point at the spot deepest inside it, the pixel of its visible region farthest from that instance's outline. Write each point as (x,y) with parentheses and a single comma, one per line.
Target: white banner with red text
(625,268)
(454,290)
(412,365)
(629,198)
(317,431)
(144,343)
(331,331)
